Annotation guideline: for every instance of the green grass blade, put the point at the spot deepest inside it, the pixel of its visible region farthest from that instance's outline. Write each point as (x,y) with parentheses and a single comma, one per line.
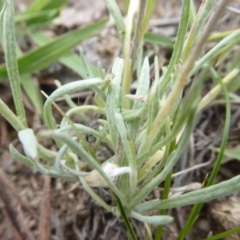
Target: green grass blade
(140,28)
(148,14)
(224,139)
(224,234)
(126,221)
(159,40)
(231,153)
(31,89)
(2,10)
(199,196)
(54,4)
(70,60)
(178,46)
(85,64)
(233,38)
(36,17)
(205,13)
(44,5)
(165,194)
(197,208)
(35,6)
(116,13)
(53,50)
(33,93)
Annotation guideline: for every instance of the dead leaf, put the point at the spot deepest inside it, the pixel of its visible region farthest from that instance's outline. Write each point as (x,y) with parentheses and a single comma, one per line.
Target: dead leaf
(225,214)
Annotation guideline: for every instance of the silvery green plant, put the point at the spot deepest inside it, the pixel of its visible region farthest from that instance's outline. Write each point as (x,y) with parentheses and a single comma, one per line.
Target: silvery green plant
(147,132)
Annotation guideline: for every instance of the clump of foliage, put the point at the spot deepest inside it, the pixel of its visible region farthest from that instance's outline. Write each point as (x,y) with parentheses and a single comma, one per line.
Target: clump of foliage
(148,131)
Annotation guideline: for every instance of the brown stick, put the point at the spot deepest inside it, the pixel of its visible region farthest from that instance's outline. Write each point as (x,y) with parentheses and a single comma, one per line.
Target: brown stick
(44,227)
(13,231)
(24,225)
(9,212)
(9,185)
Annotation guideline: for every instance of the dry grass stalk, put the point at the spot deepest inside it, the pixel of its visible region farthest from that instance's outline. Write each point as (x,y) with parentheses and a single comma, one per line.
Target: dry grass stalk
(9,212)
(44,227)
(14,233)
(9,185)
(24,224)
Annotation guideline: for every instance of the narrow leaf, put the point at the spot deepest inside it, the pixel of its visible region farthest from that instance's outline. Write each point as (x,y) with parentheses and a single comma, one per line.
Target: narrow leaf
(43,56)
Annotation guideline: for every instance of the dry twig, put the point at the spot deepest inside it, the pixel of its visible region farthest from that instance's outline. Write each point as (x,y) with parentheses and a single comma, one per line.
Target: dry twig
(44,227)
(9,185)
(9,212)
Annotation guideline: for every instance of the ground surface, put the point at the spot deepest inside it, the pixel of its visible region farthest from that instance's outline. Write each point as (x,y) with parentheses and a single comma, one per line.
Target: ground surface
(32,204)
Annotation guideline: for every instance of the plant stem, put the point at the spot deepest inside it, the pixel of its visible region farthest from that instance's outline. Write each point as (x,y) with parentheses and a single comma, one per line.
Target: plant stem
(224,234)
(137,37)
(7,113)
(127,74)
(216,90)
(182,77)
(125,219)
(167,186)
(11,60)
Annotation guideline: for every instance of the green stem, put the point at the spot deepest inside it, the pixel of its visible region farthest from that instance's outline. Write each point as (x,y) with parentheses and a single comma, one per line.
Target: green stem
(163,212)
(127,73)
(125,218)
(224,234)
(11,60)
(138,32)
(166,191)
(7,113)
